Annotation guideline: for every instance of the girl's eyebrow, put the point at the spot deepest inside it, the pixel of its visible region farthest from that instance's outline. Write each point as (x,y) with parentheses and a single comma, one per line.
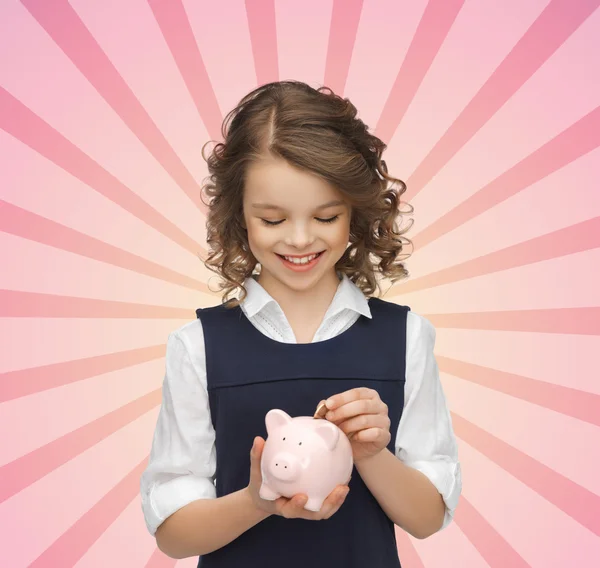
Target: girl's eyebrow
(270,206)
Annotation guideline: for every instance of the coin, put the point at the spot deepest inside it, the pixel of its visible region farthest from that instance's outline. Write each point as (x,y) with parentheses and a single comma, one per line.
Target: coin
(321,410)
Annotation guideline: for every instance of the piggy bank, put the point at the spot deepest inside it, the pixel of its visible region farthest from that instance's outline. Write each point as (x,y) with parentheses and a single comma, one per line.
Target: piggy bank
(303,455)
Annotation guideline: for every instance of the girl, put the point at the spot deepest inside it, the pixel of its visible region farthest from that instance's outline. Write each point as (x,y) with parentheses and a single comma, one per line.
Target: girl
(299,189)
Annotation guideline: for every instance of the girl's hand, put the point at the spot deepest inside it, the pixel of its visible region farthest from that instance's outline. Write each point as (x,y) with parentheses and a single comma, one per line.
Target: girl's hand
(289,508)
(363,416)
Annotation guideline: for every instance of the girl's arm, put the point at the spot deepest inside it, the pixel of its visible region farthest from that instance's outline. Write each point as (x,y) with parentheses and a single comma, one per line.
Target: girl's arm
(177,487)
(208,524)
(419,487)
(406,495)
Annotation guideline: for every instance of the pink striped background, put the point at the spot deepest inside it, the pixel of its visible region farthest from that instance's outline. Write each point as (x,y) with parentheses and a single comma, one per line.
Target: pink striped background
(490,110)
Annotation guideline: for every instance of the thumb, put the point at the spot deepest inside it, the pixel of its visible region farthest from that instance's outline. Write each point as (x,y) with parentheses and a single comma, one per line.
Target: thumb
(255,458)
(256,447)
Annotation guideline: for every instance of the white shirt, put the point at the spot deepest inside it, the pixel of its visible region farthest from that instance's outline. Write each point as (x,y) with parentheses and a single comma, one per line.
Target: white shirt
(182,462)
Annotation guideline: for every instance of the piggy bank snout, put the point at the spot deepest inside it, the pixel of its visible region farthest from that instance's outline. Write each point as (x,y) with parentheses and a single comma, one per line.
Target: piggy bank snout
(285,466)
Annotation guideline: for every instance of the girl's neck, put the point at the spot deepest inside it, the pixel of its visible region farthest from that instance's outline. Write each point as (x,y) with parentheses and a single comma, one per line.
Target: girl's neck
(304,309)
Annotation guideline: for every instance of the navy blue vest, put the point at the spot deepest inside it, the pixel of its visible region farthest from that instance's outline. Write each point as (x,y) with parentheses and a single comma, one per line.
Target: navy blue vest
(248,374)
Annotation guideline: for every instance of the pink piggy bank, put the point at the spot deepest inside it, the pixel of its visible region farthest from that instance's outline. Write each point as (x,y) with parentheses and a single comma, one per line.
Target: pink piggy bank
(303,455)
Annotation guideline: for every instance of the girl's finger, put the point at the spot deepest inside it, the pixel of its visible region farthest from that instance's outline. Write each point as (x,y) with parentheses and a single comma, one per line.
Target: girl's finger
(302,513)
(292,508)
(355,408)
(255,456)
(372,434)
(330,505)
(341,497)
(363,422)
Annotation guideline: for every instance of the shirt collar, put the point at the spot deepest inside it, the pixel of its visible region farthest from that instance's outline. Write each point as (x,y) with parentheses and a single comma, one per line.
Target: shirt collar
(348,296)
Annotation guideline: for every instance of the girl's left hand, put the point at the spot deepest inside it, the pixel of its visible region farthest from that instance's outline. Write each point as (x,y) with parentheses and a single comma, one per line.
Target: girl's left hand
(363,416)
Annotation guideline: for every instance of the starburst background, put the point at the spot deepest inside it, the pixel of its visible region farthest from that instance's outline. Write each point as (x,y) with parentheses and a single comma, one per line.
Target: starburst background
(490,110)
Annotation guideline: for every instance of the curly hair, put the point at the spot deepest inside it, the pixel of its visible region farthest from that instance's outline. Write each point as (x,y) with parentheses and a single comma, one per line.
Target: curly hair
(316,131)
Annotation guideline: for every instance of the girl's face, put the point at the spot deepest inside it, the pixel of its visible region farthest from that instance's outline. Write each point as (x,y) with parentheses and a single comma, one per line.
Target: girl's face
(283,214)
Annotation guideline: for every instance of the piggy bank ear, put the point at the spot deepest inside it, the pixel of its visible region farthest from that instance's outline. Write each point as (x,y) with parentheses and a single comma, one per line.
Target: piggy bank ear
(276,419)
(329,432)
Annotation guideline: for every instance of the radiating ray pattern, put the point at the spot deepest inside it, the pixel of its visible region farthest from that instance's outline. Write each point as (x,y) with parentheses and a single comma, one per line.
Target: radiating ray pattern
(104,109)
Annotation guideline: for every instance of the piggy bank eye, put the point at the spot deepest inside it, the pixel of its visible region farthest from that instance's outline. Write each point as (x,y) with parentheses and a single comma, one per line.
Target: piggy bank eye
(299,443)
(284,438)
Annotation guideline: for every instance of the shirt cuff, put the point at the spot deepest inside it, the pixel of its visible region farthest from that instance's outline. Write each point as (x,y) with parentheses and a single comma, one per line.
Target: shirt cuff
(167,497)
(447,479)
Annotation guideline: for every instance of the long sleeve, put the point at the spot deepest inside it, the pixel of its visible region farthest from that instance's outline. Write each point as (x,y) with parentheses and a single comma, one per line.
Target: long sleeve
(425,438)
(182,463)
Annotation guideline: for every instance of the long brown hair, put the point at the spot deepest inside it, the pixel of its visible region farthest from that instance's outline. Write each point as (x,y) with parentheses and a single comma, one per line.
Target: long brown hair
(317,131)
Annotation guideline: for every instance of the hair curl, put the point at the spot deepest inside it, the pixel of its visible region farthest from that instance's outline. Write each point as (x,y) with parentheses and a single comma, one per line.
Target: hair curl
(317,131)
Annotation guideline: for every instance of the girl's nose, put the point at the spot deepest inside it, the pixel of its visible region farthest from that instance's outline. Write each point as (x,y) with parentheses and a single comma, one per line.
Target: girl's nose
(300,237)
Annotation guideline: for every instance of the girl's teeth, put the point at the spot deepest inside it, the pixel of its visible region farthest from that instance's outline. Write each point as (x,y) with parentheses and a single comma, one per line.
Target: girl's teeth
(304,260)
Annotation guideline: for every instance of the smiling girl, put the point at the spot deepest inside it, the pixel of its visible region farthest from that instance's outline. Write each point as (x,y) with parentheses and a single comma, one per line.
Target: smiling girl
(303,222)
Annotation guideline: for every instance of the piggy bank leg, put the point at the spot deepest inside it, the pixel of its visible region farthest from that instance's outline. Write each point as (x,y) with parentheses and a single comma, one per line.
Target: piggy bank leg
(265,492)
(314,504)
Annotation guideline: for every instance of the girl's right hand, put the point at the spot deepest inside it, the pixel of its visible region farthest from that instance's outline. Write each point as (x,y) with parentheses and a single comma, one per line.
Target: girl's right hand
(289,508)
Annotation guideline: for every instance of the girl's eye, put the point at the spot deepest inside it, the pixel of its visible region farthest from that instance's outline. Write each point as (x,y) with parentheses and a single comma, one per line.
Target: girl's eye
(273,223)
(330,220)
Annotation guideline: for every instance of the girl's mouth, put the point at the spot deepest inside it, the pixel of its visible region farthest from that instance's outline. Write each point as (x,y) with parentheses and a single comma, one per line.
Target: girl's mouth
(301,267)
